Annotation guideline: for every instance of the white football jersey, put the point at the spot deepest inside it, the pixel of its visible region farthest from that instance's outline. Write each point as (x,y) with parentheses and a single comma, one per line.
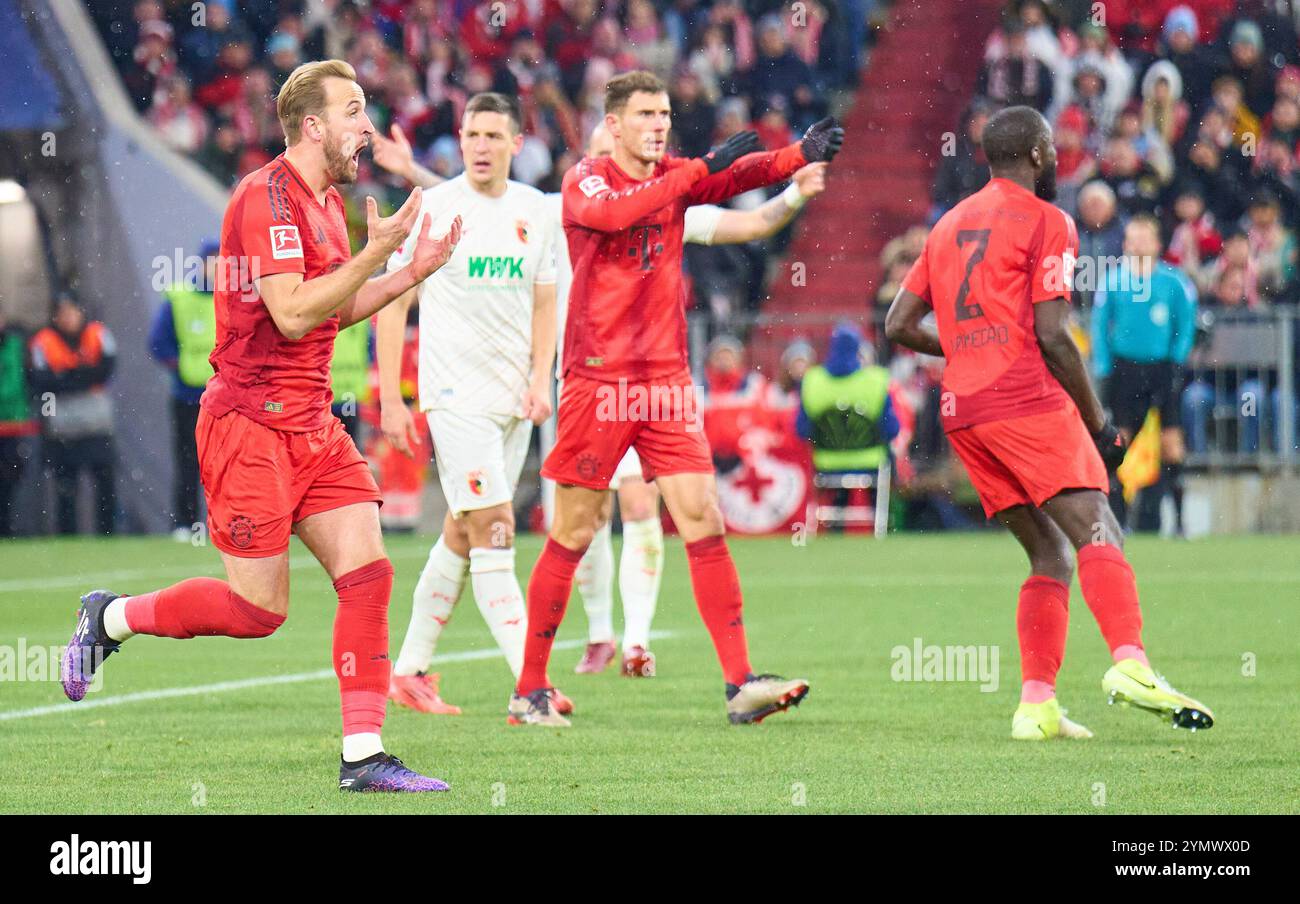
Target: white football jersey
(476,313)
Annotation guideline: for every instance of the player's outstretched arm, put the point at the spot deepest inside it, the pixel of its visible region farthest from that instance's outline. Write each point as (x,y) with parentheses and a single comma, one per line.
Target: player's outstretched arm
(737,226)
(591,203)
(819,144)
(298,306)
(427,258)
(904,324)
(395,419)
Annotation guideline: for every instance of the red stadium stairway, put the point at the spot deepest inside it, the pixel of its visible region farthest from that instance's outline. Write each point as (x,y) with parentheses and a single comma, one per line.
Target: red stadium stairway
(919,79)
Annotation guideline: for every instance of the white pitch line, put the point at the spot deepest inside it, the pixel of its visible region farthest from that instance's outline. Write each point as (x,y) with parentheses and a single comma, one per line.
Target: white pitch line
(245,683)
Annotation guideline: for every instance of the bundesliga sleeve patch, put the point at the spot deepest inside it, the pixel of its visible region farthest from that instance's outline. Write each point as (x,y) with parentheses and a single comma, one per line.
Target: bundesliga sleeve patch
(285,242)
(593,185)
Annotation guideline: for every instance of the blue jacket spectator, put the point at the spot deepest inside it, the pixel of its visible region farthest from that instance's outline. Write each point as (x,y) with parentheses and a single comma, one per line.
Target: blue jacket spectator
(1145,319)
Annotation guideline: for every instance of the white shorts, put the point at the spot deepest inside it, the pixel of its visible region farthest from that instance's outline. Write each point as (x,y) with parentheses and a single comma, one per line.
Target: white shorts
(479,457)
(628,466)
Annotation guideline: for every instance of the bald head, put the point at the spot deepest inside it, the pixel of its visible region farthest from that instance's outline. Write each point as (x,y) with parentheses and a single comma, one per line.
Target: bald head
(601,142)
(1018,144)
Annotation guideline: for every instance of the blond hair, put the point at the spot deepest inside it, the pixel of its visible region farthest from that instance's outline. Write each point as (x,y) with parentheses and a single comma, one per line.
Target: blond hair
(303,94)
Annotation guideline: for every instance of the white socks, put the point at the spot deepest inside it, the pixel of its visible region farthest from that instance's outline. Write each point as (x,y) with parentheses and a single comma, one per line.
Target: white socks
(436,593)
(496,590)
(357,747)
(640,570)
(595,580)
(115,625)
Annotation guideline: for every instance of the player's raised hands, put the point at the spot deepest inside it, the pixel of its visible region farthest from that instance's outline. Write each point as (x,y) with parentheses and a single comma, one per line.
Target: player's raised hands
(430,253)
(388,233)
(811,179)
(394,153)
(731,150)
(398,426)
(823,141)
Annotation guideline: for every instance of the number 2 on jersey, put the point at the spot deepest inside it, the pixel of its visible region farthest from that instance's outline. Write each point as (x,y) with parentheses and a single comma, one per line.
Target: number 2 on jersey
(981,239)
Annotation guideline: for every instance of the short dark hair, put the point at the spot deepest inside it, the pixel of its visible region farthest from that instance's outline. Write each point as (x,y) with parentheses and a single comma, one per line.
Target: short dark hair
(495,102)
(1011,134)
(619,89)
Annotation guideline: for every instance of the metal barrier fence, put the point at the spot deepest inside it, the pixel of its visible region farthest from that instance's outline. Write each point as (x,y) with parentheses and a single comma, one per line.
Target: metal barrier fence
(1240,403)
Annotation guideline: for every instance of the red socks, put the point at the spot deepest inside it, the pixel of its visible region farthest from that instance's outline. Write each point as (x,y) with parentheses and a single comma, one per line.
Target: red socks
(1041,621)
(199,607)
(361,645)
(1110,591)
(717,594)
(548,597)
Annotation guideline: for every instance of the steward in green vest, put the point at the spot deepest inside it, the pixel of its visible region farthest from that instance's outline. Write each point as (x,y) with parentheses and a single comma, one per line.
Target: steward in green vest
(17,425)
(350,376)
(845,408)
(182,337)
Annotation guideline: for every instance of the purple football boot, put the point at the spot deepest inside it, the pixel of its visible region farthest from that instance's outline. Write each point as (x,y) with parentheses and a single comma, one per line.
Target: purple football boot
(385,772)
(89,646)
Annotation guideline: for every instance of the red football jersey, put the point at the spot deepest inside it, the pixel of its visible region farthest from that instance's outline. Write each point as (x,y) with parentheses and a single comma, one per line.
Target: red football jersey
(986,263)
(274,224)
(627,304)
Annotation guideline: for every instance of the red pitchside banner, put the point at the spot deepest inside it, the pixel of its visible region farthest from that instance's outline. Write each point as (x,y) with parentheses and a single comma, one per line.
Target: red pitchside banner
(765,468)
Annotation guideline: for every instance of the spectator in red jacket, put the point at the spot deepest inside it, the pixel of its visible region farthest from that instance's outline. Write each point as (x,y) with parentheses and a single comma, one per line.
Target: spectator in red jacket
(226,85)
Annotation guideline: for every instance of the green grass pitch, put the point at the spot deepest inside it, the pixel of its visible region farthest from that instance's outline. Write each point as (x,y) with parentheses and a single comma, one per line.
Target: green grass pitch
(1221,622)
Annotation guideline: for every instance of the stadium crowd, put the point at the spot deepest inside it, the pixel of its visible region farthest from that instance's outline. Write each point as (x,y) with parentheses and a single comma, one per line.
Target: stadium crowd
(1177,129)
(209,86)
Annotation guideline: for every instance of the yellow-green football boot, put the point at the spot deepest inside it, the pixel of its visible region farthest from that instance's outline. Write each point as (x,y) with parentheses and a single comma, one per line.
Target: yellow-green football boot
(1131,683)
(1044,722)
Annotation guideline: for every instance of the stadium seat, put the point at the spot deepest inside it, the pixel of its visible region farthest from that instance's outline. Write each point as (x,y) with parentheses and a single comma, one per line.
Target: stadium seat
(848,515)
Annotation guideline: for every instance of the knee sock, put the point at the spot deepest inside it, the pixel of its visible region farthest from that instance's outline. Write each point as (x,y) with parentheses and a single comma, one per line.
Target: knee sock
(595,579)
(1110,590)
(548,597)
(197,607)
(361,655)
(640,570)
(436,594)
(717,594)
(496,591)
(1041,621)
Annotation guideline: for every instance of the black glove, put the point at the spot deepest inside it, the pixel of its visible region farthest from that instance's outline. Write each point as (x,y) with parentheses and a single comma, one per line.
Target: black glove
(823,140)
(731,150)
(1111,445)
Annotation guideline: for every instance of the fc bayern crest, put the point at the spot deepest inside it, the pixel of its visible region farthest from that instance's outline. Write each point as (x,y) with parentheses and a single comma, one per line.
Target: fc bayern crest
(241,531)
(588,466)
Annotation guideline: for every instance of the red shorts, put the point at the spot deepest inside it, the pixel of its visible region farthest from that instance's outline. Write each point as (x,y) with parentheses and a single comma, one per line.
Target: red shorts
(1028,460)
(260,482)
(599,421)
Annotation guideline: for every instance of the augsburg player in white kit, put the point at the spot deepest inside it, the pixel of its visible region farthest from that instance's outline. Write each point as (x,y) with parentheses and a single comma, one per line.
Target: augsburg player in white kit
(487,343)
(641,564)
